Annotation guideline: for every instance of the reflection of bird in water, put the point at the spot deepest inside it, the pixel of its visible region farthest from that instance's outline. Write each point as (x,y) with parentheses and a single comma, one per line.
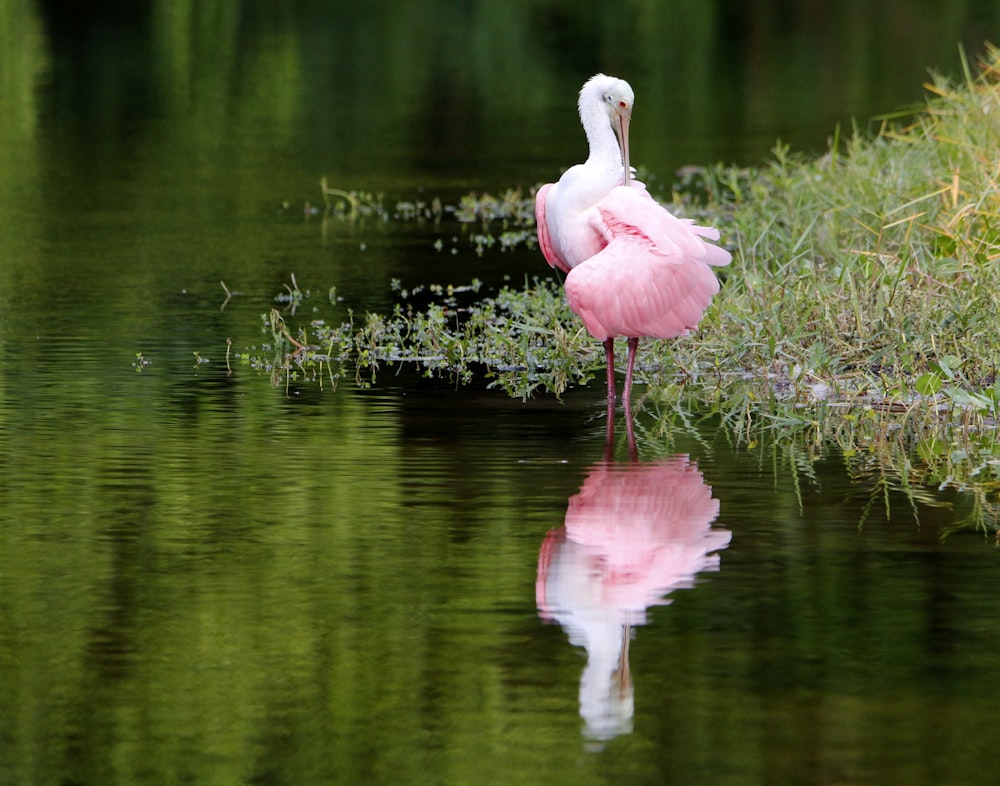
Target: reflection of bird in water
(633,269)
(633,533)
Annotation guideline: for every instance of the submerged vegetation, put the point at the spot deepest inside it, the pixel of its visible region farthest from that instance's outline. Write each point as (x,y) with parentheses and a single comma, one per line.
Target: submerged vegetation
(862,307)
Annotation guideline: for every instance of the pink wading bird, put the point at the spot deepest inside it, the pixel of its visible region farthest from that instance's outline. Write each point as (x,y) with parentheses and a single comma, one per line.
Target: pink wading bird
(632,268)
(632,535)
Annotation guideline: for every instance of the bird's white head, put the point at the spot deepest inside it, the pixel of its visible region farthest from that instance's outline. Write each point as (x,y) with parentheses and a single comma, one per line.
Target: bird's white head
(615,98)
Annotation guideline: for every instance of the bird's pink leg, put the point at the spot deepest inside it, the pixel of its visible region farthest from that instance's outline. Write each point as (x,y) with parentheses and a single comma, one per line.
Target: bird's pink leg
(609,353)
(609,434)
(633,346)
(633,452)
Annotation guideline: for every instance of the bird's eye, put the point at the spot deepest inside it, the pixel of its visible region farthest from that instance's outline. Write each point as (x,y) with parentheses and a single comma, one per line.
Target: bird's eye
(623,104)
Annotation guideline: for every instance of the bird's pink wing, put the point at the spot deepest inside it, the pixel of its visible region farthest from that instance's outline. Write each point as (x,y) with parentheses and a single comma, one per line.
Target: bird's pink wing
(544,239)
(629,290)
(553,542)
(654,276)
(633,533)
(632,211)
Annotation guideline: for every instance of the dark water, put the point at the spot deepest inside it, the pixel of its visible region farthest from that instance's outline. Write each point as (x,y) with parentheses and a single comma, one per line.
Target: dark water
(208,579)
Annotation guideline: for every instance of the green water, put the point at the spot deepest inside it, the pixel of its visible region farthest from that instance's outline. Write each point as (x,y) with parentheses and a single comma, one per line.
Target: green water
(206,578)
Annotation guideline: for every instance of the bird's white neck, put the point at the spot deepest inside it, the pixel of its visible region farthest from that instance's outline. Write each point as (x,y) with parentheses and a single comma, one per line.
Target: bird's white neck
(604,150)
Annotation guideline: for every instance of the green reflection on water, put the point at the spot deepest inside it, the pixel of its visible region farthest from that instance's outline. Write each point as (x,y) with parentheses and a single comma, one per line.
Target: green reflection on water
(231,587)
(239,589)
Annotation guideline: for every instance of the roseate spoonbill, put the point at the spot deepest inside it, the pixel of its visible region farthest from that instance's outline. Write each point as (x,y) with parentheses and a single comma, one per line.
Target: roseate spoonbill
(633,269)
(632,535)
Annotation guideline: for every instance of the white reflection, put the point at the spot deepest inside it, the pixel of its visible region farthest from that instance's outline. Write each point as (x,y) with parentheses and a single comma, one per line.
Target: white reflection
(633,533)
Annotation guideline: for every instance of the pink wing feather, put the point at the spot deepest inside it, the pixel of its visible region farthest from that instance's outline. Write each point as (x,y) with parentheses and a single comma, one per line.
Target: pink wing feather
(544,239)
(652,279)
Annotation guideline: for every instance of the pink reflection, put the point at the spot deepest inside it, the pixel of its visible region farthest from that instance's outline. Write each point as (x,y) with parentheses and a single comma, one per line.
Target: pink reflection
(633,534)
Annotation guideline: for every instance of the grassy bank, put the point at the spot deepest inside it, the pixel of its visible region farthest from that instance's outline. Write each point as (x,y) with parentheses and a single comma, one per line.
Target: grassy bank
(862,307)
(873,269)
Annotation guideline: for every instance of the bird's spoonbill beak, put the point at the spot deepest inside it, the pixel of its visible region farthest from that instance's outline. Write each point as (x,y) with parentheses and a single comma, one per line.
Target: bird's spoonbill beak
(622,115)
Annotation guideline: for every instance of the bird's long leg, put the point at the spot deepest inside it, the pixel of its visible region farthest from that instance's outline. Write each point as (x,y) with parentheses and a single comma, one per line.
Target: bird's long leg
(609,353)
(633,452)
(609,433)
(633,345)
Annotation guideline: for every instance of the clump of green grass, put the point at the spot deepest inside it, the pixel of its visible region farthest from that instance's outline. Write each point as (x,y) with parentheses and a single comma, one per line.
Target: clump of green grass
(872,268)
(519,339)
(351,204)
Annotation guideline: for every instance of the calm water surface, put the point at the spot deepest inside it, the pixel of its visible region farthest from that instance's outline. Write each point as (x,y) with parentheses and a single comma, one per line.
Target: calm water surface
(205,578)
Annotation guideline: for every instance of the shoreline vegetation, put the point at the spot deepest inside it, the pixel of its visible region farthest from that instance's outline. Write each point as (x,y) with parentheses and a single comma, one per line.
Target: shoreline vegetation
(861,310)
